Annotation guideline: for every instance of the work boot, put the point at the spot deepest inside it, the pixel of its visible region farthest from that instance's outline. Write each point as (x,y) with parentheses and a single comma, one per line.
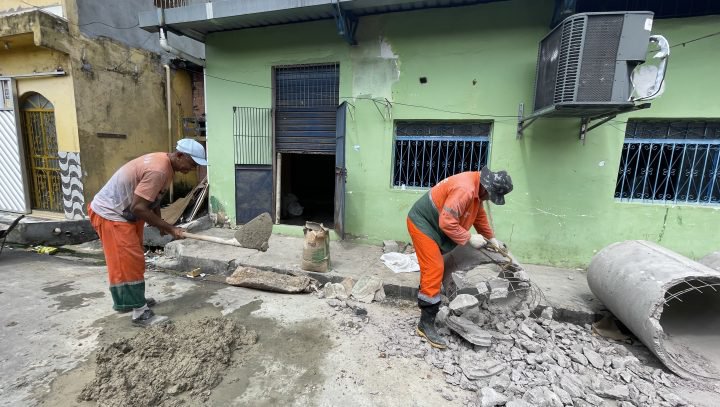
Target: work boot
(149,301)
(148,318)
(426,329)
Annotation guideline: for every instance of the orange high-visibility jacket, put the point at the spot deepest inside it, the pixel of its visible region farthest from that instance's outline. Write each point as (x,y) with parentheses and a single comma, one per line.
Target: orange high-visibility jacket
(450,208)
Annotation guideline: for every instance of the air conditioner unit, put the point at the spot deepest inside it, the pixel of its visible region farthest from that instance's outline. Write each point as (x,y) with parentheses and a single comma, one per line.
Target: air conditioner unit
(584,64)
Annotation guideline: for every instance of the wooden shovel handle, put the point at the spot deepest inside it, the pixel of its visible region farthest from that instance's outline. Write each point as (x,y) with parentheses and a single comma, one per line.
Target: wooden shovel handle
(230,242)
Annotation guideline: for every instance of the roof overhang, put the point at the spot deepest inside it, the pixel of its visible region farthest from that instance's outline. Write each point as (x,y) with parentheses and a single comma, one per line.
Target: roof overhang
(200,19)
(34,28)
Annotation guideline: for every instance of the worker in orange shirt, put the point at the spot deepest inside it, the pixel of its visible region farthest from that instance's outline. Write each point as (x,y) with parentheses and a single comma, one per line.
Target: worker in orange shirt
(441,220)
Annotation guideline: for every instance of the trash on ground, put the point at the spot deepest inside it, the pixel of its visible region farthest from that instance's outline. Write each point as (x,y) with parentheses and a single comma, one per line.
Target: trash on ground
(44,249)
(400,262)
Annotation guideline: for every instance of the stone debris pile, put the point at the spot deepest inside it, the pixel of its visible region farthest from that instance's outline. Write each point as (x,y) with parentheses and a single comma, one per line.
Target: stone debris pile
(518,360)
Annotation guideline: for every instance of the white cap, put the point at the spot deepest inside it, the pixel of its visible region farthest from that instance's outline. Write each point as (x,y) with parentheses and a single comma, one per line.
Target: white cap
(193,149)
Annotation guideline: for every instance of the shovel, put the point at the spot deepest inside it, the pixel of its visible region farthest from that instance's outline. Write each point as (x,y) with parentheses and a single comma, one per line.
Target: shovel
(253,235)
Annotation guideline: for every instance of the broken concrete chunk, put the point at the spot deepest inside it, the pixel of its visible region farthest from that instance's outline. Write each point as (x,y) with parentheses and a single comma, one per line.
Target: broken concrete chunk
(335,290)
(517,403)
(366,287)
(594,358)
(462,303)
(593,400)
(542,397)
(475,369)
(441,317)
(482,289)
(250,277)
(521,275)
(390,246)
(469,331)
(500,382)
(573,385)
(334,302)
(526,330)
(498,288)
(547,313)
(488,397)
(530,346)
(476,316)
(379,295)
(562,394)
(579,358)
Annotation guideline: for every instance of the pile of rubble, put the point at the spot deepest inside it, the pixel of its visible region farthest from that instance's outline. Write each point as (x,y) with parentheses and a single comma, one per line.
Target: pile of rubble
(528,361)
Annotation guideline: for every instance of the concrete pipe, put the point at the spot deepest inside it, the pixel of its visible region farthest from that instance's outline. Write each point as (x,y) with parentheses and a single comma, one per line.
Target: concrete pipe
(671,303)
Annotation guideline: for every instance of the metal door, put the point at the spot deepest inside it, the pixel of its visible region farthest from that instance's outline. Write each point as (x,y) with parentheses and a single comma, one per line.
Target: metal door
(306,103)
(42,152)
(252,132)
(13,194)
(340,171)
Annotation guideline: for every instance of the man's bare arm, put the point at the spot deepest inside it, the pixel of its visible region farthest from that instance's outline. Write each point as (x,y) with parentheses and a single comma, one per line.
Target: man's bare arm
(140,207)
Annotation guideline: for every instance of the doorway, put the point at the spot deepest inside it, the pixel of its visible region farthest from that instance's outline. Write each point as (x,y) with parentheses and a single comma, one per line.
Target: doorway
(41,150)
(309,142)
(308,189)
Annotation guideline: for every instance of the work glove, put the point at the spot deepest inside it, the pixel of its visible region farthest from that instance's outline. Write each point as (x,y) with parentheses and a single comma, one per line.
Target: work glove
(497,243)
(477,241)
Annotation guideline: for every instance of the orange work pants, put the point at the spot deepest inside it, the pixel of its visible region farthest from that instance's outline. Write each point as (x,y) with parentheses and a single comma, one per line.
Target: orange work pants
(123,247)
(431,263)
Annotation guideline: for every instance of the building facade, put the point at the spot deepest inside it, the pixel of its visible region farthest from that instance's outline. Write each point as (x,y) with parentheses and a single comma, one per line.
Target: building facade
(425,93)
(85,90)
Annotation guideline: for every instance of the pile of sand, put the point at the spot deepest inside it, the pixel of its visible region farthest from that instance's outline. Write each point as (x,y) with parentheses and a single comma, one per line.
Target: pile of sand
(169,365)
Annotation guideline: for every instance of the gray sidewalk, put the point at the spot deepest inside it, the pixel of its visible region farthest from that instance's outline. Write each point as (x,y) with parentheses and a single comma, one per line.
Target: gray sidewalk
(565,290)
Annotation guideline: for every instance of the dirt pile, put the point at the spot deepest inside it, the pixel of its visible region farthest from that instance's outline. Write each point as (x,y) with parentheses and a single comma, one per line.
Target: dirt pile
(166,365)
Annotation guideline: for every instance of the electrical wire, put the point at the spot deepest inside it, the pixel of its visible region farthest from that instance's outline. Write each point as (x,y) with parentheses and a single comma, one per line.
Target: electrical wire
(695,39)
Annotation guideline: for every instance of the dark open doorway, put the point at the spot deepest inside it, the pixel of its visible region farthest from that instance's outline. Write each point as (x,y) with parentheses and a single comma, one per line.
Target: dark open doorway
(308,189)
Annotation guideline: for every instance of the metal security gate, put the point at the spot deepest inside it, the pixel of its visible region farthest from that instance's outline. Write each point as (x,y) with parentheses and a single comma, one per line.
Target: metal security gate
(306,101)
(13,194)
(42,153)
(340,171)
(252,136)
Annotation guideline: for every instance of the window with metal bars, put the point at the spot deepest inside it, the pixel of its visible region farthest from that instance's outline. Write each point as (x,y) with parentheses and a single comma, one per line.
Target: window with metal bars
(670,161)
(428,152)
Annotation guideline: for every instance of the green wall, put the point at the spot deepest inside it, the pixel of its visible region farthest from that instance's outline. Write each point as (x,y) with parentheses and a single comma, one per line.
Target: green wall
(479,60)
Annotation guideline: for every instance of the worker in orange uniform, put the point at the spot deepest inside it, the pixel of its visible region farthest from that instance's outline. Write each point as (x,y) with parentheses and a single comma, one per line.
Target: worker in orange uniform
(441,220)
(118,214)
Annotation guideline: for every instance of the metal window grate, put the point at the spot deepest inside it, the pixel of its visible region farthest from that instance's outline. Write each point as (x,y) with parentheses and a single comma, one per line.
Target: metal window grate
(428,152)
(670,162)
(252,132)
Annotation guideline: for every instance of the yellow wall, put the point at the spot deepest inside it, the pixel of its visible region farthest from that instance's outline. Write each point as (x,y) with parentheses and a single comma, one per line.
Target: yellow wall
(58,90)
(181,100)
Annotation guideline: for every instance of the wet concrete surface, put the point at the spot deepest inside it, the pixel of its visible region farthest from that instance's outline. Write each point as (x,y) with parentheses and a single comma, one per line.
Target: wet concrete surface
(301,356)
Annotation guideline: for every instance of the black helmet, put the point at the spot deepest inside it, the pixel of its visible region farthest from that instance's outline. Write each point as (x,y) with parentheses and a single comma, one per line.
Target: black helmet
(497,184)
